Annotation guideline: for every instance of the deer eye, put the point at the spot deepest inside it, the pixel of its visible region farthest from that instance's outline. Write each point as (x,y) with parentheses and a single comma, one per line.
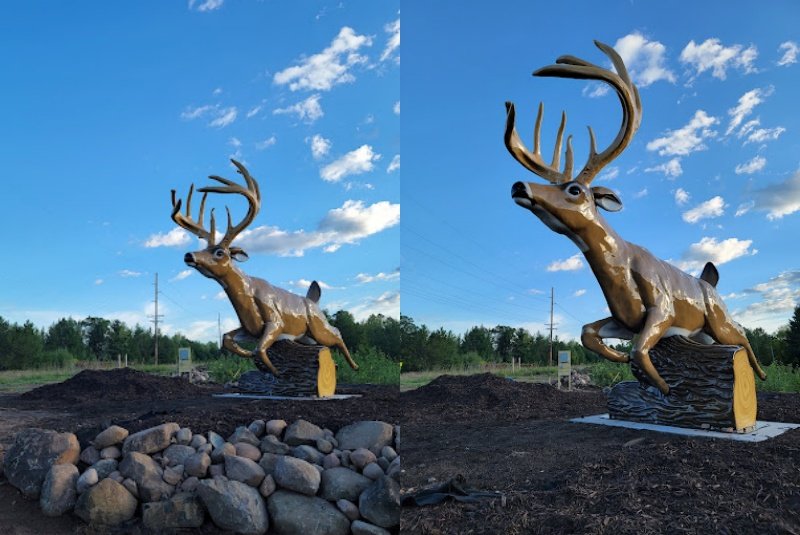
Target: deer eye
(219,253)
(574,191)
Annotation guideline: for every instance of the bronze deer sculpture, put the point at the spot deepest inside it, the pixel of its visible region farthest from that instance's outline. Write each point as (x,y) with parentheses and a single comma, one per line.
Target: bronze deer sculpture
(647,296)
(266,313)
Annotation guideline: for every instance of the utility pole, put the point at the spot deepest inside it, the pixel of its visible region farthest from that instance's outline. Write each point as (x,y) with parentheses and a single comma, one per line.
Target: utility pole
(552,301)
(156,317)
(219,328)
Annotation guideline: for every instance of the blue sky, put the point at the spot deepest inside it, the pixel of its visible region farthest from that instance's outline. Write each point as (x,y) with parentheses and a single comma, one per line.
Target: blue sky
(108,105)
(712,173)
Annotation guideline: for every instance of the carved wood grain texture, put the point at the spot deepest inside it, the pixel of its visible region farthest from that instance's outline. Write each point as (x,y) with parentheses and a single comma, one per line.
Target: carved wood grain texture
(710,386)
(304,370)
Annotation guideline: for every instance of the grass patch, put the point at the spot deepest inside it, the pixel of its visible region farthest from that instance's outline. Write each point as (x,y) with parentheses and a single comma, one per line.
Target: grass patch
(228,368)
(607,373)
(373,367)
(532,374)
(21,380)
(780,378)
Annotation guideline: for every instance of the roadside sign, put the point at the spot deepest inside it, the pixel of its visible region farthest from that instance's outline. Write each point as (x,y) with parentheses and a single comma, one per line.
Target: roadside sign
(184,359)
(565,368)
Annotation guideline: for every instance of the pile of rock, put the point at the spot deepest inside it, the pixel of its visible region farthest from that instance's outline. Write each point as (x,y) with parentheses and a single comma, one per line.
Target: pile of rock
(293,479)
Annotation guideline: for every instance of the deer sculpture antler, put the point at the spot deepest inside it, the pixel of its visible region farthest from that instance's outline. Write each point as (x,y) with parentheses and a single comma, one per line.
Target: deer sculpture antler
(572,67)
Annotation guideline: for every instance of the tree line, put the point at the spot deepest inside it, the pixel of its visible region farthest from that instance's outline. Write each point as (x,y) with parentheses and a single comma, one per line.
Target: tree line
(424,349)
(99,339)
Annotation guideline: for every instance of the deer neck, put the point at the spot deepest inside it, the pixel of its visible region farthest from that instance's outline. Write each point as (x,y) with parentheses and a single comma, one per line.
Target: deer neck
(606,253)
(239,289)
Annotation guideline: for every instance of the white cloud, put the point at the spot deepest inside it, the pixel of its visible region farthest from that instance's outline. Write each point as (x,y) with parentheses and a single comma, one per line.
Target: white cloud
(779,296)
(687,139)
(779,199)
(128,273)
(252,112)
(744,208)
(365,278)
(711,54)
(671,168)
(396,108)
(355,162)
(572,263)
(98,282)
(790,50)
(217,91)
(176,237)
(681,196)
(394,165)
(760,135)
(747,102)
(709,209)
(595,90)
(221,295)
(644,59)
(226,116)
(393,41)
(610,173)
(234,142)
(319,146)
(753,166)
(305,283)
(641,193)
(270,141)
(182,275)
(387,304)
(332,66)
(710,250)
(579,293)
(206,5)
(348,224)
(220,116)
(308,110)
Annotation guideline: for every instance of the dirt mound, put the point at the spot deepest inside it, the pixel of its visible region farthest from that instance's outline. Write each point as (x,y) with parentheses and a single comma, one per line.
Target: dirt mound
(454,398)
(126,384)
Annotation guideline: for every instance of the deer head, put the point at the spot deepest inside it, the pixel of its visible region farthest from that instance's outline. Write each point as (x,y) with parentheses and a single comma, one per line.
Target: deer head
(566,205)
(215,261)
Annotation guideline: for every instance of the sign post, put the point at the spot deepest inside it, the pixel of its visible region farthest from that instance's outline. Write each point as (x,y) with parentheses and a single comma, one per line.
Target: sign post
(184,359)
(565,368)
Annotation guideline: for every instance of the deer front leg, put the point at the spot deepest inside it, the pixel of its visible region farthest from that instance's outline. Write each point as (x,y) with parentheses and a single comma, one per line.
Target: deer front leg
(229,343)
(658,321)
(592,338)
(272,329)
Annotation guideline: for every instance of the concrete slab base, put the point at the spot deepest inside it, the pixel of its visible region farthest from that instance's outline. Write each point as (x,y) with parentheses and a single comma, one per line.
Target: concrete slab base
(763,430)
(245,395)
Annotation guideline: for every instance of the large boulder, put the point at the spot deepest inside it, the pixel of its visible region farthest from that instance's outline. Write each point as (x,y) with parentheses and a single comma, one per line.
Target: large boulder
(302,432)
(296,514)
(33,453)
(110,436)
(234,506)
(380,503)
(106,504)
(59,492)
(105,467)
(148,476)
(183,510)
(342,484)
(372,435)
(151,440)
(197,465)
(359,527)
(297,475)
(245,470)
(177,453)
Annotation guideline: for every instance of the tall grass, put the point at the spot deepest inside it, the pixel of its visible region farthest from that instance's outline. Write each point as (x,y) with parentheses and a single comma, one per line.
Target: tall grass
(229,368)
(373,367)
(606,373)
(780,378)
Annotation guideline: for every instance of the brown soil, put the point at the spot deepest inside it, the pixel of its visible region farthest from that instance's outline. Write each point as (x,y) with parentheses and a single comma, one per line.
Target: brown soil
(559,477)
(92,400)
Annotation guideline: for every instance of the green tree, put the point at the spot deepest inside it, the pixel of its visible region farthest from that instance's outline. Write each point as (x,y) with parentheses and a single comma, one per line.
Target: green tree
(478,340)
(66,334)
(95,335)
(351,331)
(503,338)
(792,350)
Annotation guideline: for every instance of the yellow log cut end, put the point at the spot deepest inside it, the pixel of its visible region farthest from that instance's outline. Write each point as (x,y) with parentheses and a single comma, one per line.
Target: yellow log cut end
(744,392)
(326,374)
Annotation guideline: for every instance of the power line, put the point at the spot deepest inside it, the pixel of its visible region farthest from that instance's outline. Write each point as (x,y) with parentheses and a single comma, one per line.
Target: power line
(156,317)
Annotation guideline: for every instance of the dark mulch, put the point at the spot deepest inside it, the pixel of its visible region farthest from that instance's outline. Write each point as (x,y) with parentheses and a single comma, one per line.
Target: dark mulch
(560,477)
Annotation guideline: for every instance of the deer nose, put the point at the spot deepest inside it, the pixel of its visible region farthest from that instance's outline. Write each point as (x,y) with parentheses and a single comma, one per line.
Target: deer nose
(519,190)
(188,258)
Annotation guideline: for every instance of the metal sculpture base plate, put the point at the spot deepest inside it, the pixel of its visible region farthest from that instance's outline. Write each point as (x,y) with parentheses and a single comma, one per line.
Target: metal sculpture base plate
(711,387)
(304,371)
(242,395)
(761,431)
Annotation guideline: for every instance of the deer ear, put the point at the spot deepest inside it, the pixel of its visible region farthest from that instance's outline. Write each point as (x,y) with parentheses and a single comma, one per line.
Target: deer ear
(606,199)
(238,254)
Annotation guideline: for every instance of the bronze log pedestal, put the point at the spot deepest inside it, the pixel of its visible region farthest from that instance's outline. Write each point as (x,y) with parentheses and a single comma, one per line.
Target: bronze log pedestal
(305,370)
(711,386)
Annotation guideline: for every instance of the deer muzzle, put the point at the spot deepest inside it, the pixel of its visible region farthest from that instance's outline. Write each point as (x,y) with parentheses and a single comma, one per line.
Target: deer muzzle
(521,194)
(189,258)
